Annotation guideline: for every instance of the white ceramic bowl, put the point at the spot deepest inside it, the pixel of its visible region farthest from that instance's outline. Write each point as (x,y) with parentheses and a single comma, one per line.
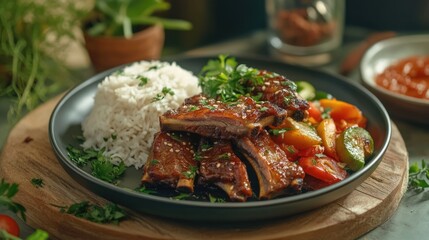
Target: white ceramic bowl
(385,53)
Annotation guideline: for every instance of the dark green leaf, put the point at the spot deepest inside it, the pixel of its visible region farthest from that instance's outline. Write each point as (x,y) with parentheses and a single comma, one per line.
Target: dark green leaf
(37,182)
(418,177)
(7,192)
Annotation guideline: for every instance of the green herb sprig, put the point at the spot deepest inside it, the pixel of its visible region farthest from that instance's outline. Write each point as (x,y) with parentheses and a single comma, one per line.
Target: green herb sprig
(191,172)
(224,78)
(214,199)
(418,177)
(7,192)
(164,92)
(109,213)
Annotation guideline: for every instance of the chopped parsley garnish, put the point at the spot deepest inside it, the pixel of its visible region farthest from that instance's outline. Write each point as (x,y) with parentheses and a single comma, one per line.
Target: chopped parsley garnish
(291,149)
(109,213)
(82,156)
(326,113)
(204,102)
(37,182)
(206,146)
(211,108)
(164,92)
(119,72)
(224,156)
(314,161)
(154,162)
(191,172)
(107,171)
(197,156)
(214,199)
(290,84)
(287,99)
(143,80)
(154,67)
(101,166)
(193,108)
(263,109)
(182,196)
(276,132)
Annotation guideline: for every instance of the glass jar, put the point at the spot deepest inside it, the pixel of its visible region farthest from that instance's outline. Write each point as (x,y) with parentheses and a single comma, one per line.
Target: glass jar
(305,31)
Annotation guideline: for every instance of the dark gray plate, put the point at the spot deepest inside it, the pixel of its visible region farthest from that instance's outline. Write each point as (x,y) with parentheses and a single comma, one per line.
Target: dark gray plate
(67,116)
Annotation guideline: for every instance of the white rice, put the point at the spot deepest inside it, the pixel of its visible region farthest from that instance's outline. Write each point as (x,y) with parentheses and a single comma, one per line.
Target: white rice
(125,117)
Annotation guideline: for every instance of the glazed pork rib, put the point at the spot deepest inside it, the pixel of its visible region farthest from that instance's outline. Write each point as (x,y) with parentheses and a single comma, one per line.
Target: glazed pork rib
(221,167)
(216,119)
(276,174)
(171,161)
(281,91)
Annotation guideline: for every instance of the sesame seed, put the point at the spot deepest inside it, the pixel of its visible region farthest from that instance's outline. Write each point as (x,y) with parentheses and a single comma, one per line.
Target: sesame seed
(218,165)
(263,88)
(177,150)
(171,150)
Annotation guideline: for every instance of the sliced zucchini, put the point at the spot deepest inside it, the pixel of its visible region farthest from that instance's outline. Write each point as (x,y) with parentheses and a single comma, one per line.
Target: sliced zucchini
(305,90)
(354,145)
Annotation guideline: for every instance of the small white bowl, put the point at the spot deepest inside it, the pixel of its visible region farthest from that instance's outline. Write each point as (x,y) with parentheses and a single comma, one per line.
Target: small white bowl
(386,53)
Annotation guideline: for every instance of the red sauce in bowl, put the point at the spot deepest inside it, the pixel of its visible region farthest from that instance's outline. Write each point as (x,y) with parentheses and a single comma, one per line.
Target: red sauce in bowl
(409,76)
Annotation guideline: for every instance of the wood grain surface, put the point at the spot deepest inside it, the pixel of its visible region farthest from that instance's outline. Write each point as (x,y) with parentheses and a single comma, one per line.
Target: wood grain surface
(28,154)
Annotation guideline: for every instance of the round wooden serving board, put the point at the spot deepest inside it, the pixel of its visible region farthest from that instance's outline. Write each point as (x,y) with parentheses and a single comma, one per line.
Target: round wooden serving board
(27,154)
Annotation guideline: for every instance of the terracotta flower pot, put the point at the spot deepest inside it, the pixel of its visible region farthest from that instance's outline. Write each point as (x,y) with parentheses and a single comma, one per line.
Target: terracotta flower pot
(108,52)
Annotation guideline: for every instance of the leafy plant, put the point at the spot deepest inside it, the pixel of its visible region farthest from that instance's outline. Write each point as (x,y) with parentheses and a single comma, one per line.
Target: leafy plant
(7,192)
(418,177)
(32,36)
(119,17)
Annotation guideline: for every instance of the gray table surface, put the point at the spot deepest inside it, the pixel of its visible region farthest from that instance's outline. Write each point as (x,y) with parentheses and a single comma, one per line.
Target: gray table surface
(411,220)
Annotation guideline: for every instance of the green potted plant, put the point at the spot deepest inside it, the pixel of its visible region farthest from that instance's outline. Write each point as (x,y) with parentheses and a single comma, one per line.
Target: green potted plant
(33,39)
(122,31)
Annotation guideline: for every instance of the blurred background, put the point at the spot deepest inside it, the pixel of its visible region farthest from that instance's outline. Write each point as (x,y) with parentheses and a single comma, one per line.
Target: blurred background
(214,21)
(218,20)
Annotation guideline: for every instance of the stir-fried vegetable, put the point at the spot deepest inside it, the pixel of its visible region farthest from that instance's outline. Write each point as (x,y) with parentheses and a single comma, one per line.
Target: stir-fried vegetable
(330,141)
